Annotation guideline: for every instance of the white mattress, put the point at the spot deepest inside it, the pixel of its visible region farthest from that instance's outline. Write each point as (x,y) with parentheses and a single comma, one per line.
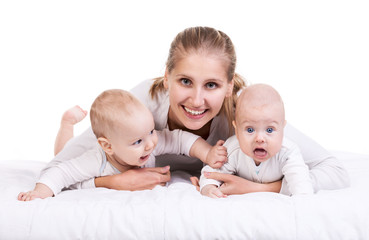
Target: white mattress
(180,212)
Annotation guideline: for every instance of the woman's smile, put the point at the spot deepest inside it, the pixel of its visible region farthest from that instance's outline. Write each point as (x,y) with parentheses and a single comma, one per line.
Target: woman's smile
(194,113)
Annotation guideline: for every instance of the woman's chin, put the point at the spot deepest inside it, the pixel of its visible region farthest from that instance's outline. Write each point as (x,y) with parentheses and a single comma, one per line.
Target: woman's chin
(195,125)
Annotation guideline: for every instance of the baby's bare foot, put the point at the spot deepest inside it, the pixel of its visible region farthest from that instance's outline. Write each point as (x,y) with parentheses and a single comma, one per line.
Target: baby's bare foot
(74,115)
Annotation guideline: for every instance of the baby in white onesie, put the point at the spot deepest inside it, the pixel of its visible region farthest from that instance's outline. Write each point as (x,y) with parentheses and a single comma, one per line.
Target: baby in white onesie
(126,139)
(259,151)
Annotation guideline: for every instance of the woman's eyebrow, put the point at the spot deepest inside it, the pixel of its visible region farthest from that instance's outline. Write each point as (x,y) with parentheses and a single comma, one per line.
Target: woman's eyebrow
(207,80)
(182,75)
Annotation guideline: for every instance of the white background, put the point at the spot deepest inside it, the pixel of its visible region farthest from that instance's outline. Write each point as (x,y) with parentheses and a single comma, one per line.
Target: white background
(55,54)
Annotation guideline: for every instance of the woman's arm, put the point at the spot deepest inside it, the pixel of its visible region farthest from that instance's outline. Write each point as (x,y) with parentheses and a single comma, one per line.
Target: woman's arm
(326,171)
(136,179)
(233,184)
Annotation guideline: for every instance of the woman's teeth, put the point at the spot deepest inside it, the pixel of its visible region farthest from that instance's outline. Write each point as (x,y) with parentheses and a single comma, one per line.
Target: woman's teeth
(193,112)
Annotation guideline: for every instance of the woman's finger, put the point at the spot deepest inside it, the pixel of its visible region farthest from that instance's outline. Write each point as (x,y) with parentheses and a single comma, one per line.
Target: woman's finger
(195,182)
(223,177)
(162,170)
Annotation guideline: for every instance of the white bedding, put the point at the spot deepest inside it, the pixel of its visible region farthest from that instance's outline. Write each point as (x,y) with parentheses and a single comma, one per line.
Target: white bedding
(180,212)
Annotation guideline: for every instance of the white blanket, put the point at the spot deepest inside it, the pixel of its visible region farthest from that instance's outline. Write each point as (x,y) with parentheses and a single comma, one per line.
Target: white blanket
(180,212)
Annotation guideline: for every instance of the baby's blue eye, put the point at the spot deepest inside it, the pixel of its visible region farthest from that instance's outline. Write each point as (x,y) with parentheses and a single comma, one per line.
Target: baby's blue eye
(152,131)
(269,130)
(137,142)
(250,130)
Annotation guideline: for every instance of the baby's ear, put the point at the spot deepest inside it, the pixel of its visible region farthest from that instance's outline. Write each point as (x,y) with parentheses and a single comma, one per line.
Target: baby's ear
(234,124)
(105,145)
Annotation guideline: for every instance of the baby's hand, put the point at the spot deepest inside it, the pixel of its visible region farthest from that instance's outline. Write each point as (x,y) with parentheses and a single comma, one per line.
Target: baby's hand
(40,191)
(217,155)
(212,191)
(29,196)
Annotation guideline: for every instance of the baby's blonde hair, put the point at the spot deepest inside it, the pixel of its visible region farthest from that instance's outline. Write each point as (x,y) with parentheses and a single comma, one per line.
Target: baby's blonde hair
(109,109)
(209,40)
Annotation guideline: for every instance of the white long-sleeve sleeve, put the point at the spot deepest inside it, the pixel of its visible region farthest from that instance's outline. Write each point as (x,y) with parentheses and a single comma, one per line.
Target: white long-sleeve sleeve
(74,148)
(76,170)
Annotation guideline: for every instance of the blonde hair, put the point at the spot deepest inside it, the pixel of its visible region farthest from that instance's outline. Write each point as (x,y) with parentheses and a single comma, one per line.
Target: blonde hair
(109,109)
(207,39)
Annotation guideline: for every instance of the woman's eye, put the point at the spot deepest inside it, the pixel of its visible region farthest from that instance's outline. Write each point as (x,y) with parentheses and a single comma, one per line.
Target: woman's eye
(250,130)
(185,81)
(269,130)
(137,142)
(211,85)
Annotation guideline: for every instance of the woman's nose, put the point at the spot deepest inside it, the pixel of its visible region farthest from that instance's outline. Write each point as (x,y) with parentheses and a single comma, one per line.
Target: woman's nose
(197,97)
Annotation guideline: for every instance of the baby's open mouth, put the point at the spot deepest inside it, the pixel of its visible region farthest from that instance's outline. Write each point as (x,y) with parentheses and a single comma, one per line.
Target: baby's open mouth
(194,112)
(260,152)
(144,157)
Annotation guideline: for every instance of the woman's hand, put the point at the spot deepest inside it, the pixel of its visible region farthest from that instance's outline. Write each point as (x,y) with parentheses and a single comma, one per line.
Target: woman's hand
(136,179)
(233,184)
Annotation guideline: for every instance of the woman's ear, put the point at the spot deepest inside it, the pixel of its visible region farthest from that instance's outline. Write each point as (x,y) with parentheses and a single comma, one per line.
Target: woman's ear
(230,88)
(105,145)
(165,82)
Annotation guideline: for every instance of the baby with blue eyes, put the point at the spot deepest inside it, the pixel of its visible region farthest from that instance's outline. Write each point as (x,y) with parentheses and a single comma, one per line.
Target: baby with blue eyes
(259,152)
(126,139)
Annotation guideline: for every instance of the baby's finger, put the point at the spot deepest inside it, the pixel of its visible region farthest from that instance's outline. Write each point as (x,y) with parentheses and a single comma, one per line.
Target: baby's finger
(212,195)
(19,197)
(220,143)
(218,164)
(24,197)
(223,153)
(219,194)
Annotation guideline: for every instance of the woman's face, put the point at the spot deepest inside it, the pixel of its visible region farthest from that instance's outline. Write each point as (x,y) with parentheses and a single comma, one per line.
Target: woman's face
(197,87)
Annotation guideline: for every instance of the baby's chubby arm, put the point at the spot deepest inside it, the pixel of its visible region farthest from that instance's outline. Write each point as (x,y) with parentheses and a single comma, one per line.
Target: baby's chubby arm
(73,171)
(210,187)
(183,142)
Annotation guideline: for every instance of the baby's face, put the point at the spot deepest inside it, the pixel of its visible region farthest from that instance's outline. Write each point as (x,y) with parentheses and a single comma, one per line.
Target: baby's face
(259,131)
(135,140)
